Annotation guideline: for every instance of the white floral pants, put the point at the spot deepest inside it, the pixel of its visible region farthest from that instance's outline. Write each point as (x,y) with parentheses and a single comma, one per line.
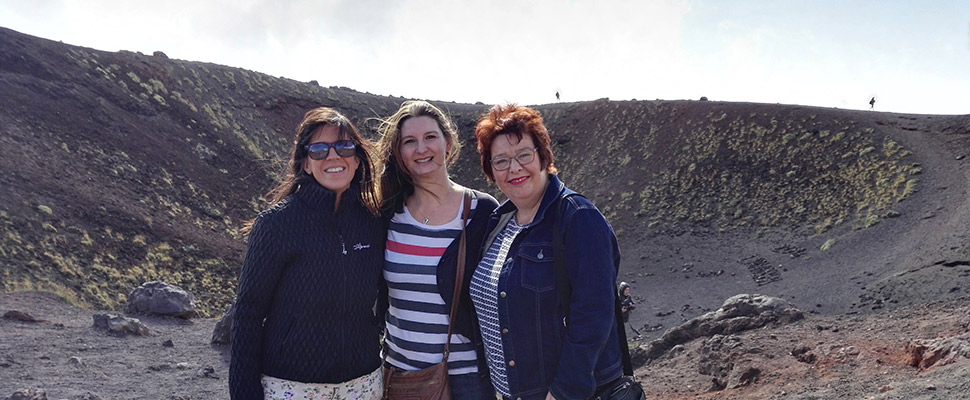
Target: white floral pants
(367,387)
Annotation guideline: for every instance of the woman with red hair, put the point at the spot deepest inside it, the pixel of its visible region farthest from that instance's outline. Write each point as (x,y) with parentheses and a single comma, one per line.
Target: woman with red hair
(538,344)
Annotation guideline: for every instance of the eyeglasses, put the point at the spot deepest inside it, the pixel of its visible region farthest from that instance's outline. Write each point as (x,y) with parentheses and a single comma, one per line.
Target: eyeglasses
(523,158)
(321,150)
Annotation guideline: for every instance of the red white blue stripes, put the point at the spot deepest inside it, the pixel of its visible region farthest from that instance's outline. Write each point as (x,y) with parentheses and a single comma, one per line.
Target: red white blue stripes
(417,320)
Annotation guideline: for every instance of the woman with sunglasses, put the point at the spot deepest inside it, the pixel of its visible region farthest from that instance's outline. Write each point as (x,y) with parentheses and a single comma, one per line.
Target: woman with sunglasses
(425,207)
(540,345)
(304,325)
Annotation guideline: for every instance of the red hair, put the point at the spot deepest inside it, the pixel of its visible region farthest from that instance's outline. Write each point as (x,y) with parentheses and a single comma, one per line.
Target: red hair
(516,121)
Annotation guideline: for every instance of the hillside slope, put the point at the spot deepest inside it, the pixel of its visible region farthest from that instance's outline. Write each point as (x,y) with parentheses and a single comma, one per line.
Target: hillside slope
(121,168)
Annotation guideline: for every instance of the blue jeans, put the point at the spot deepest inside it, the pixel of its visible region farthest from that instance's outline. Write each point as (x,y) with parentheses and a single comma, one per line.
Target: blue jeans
(470,387)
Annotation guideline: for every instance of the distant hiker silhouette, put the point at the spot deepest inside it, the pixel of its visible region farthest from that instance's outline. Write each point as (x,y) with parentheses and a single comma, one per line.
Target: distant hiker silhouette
(557,95)
(872,103)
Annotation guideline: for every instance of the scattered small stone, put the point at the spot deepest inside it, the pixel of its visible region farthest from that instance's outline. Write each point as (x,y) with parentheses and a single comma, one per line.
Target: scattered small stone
(849,350)
(22,316)
(931,387)
(743,377)
(207,372)
(159,367)
(183,366)
(76,361)
(118,325)
(168,343)
(28,394)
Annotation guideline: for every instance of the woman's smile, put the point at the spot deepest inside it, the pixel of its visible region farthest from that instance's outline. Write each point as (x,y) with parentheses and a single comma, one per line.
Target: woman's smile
(519,180)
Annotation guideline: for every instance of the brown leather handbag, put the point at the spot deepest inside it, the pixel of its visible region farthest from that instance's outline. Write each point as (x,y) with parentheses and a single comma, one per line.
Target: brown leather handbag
(430,383)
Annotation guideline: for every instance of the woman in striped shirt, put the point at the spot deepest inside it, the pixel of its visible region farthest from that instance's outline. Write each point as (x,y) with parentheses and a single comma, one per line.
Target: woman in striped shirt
(424,205)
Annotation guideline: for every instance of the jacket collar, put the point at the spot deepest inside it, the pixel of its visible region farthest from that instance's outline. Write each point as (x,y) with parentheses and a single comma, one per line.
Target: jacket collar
(554,190)
(319,197)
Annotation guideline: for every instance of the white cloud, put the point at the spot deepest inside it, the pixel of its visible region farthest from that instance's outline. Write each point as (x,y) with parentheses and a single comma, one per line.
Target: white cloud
(913,57)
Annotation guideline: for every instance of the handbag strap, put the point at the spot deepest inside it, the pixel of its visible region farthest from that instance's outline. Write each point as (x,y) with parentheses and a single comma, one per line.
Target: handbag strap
(459,271)
(565,289)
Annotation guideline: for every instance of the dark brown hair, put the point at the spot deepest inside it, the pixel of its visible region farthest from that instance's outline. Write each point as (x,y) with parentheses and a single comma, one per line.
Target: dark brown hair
(516,121)
(294,176)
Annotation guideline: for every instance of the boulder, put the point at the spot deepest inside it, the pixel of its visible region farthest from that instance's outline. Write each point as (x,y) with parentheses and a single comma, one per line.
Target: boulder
(723,359)
(738,313)
(161,298)
(926,353)
(222,333)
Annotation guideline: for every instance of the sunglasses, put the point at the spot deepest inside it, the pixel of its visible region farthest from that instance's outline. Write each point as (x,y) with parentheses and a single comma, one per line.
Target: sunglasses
(321,150)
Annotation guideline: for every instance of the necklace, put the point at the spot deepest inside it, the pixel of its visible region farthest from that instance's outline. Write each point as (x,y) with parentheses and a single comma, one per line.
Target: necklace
(435,211)
(426,219)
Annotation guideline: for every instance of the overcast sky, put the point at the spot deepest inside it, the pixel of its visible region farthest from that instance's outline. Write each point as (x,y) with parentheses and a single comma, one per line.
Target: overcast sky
(912,56)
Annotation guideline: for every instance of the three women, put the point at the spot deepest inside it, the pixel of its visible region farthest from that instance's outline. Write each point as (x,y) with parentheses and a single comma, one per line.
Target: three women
(315,260)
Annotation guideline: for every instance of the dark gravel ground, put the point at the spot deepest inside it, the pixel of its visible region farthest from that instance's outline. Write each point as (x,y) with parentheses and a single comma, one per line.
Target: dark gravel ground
(819,357)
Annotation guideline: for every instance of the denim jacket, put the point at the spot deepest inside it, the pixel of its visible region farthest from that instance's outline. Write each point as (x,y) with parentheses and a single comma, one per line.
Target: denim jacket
(546,350)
